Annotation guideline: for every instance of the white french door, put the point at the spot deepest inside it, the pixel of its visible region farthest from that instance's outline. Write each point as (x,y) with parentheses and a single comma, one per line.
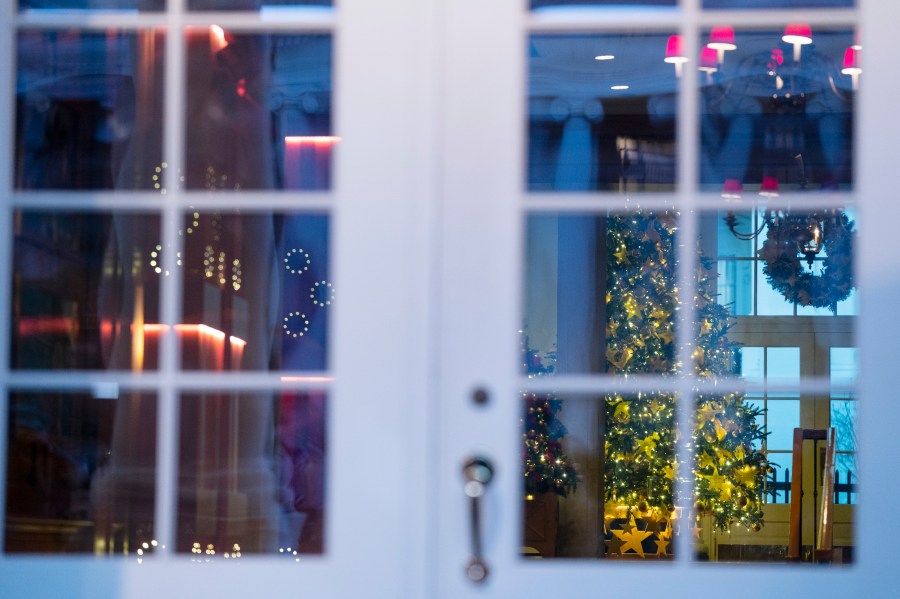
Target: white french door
(429,214)
(496,198)
(325,416)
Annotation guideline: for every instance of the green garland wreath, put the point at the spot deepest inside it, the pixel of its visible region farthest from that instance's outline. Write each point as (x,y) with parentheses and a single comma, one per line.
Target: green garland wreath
(786,274)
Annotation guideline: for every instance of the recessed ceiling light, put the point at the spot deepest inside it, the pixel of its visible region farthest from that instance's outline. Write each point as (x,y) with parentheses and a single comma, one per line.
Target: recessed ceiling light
(604,57)
(618,87)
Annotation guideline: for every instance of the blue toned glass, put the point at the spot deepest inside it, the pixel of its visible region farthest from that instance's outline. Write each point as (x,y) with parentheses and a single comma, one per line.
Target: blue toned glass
(777,109)
(81,472)
(258,111)
(752,364)
(84,290)
(728,4)
(105,5)
(601,113)
(257,291)
(782,417)
(536,4)
(88,109)
(252,474)
(254,5)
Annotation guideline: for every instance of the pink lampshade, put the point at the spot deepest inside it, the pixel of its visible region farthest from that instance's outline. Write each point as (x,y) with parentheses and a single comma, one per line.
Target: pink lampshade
(708,60)
(721,38)
(797,34)
(675,50)
(851,61)
(732,189)
(769,187)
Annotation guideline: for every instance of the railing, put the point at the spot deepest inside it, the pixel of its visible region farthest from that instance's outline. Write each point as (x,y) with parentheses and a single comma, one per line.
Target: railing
(779,491)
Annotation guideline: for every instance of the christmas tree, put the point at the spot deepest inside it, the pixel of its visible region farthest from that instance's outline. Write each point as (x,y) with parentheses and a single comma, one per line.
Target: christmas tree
(547,467)
(640,464)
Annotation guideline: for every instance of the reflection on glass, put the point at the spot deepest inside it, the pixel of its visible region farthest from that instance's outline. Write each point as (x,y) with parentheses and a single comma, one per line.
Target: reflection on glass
(254,5)
(258,111)
(256,291)
(784,262)
(251,474)
(88,109)
(777,109)
(570,470)
(844,365)
(601,113)
(725,4)
(535,4)
(80,473)
(601,296)
(123,5)
(85,293)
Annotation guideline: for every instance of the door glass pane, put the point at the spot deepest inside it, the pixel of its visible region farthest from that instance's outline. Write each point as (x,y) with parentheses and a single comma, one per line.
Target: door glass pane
(571,469)
(256,291)
(601,112)
(105,5)
(80,472)
(254,5)
(802,261)
(536,4)
(84,291)
(600,294)
(777,109)
(258,111)
(777,3)
(88,109)
(251,474)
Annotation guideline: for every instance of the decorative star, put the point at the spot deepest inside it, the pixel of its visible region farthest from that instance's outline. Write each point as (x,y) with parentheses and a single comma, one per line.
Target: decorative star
(622,255)
(706,461)
(661,546)
(614,545)
(622,413)
(632,540)
(705,327)
(612,327)
(656,407)
(668,472)
(709,410)
(632,310)
(746,476)
(648,444)
(716,481)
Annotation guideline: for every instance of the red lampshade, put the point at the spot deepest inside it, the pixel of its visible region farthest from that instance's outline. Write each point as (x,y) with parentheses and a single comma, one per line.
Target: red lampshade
(851,62)
(708,60)
(797,34)
(769,187)
(732,189)
(721,38)
(675,50)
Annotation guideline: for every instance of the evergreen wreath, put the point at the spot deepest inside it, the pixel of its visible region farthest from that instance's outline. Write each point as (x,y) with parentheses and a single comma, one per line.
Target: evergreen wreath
(784,271)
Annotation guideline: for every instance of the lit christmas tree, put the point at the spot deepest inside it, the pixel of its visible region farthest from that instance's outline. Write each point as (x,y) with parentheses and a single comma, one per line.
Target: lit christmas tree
(640,466)
(547,467)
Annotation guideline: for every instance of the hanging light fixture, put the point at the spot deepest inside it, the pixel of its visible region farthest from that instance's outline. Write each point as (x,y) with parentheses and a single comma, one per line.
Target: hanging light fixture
(769,187)
(721,40)
(675,53)
(732,189)
(708,62)
(798,35)
(851,65)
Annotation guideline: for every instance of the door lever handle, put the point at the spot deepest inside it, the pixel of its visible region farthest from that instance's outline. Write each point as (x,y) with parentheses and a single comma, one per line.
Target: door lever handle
(477,473)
